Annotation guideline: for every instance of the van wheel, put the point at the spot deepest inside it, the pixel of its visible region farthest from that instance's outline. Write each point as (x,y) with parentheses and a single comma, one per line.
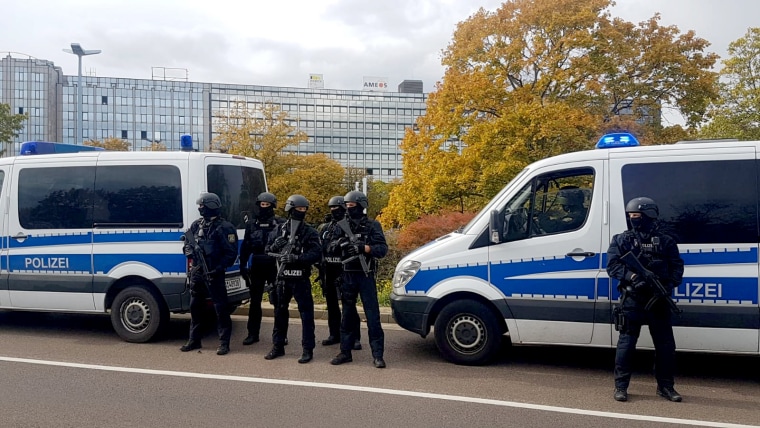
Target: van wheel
(467,332)
(137,315)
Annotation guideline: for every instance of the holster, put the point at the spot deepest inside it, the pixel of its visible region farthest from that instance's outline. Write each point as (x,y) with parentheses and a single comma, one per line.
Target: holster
(618,317)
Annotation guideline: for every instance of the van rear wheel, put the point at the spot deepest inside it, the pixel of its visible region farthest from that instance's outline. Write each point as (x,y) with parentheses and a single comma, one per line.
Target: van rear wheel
(467,332)
(137,315)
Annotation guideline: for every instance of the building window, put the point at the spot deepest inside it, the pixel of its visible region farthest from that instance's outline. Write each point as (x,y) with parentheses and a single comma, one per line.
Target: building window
(104,100)
(124,134)
(20,110)
(143,135)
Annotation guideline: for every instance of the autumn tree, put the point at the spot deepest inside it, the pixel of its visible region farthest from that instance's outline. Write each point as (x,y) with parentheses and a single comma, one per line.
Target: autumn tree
(737,113)
(10,125)
(534,79)
(263,132)
(156,147)
(110,143)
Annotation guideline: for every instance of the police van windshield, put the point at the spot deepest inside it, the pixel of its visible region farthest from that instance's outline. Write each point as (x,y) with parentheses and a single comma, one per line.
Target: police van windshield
(485,211)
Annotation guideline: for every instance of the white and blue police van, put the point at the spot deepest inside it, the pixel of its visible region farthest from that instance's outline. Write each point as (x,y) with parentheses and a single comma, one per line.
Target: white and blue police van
(101,231)
(521,269)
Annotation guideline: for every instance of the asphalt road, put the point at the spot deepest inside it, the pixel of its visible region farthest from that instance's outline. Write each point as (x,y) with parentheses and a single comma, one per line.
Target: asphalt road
(73,371)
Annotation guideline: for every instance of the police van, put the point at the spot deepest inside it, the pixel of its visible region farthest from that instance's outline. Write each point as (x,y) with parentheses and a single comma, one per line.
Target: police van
(522,268)
(101,231)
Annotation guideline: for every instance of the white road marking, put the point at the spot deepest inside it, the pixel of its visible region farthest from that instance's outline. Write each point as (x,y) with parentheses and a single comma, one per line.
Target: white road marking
(402,393)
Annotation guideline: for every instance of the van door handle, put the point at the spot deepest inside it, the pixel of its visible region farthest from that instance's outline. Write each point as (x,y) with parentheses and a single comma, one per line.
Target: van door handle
(19,236)
(582,254)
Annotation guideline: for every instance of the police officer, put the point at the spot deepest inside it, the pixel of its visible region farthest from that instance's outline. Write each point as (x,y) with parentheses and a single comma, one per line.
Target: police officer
(331,268)
(658,252)
(370,245)
(262,269)
(297,247)
(217,239)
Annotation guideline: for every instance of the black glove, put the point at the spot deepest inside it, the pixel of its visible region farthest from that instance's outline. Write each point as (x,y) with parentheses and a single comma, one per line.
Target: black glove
(288,258)
(639,284)
(355,249)
(187,250)
(278,244)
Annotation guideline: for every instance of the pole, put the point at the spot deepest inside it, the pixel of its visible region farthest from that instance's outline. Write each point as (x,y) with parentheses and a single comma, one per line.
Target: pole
(79,130)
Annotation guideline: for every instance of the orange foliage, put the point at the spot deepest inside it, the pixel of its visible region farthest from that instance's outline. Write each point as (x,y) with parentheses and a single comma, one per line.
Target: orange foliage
(430,227)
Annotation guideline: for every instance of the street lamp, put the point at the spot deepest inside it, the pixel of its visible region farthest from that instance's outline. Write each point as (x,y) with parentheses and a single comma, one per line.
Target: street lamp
(77,50)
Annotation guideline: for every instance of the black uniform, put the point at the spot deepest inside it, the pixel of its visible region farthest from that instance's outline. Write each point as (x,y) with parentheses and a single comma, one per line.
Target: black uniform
(331,275)
(355,283)
(294,282)
(658,252)
(263,268)
(218,240)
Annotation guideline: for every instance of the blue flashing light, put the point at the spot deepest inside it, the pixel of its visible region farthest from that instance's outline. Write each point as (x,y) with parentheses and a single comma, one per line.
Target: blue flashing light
(618,139)
(186,143)
(47,147)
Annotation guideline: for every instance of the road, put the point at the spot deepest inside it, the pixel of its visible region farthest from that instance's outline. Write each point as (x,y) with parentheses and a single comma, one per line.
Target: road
(73,371)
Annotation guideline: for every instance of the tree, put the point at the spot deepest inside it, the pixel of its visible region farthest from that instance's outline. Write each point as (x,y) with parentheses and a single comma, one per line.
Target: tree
(110,143)
(10,125)
(263,132)
(156,147)
(737,113)
(537,78)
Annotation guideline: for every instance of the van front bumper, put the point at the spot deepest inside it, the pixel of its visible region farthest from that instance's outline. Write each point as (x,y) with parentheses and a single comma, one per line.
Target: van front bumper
(412,312)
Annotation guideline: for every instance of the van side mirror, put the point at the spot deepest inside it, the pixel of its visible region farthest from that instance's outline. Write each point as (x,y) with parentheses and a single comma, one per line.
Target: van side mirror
(495,226)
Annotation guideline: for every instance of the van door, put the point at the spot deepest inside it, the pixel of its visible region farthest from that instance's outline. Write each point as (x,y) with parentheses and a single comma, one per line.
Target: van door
(548,262)
(4,178)
(50,235)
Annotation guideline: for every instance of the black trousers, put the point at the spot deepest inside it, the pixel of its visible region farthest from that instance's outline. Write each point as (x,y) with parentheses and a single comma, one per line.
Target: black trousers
(356,283)
(218,294)
(661,329)
(260,275)
(330,291)
(300,289)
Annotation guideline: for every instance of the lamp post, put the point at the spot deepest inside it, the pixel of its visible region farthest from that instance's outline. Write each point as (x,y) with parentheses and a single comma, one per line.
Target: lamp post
(77,50)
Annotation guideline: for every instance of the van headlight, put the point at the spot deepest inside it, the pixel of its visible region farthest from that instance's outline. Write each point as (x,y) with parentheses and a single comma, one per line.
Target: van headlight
(405,272)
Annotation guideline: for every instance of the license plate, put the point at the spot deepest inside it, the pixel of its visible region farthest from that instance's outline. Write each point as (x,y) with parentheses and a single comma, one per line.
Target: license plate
(232,283)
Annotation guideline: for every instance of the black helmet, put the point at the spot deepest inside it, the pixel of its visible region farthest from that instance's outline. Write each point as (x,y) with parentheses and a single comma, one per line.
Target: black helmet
(643,205)
(572,197)
(296,201)
(210,201)
(358,197)
(336,201)
(267,197)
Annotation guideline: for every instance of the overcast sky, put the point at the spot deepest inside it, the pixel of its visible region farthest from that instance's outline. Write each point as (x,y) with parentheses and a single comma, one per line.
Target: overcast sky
(280,42)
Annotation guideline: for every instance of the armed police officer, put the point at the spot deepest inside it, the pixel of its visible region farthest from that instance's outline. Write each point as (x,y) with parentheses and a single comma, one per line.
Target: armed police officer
(296,246)
(331,269)
(212,244)
(645,294)
(262,269)
(362,244)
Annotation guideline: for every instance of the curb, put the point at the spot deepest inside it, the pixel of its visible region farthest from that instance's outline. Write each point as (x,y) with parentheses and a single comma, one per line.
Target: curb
(320,312)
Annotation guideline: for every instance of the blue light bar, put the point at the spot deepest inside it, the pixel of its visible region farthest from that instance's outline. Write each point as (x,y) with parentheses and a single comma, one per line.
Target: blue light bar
(186,143)
(618,139)
(47,147)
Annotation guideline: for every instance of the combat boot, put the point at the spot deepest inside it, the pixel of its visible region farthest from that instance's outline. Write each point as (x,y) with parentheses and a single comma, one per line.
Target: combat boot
(276,351)
(223,349)
(307,355)
(379,363)
(331,340)
(341,358)
(190,345)
(250,339)
(621,394)
(669,393)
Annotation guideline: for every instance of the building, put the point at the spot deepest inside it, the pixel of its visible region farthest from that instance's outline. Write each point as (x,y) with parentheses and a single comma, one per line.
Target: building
(359,129)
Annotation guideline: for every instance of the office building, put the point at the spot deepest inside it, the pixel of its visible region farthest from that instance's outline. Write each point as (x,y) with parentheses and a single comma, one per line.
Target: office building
(360,129)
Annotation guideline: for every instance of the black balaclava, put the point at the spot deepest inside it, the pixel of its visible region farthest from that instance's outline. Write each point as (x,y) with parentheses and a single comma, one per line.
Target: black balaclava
(207,213)
(643,224)
(356,212)
(338,213)
(297,215)
(267,212)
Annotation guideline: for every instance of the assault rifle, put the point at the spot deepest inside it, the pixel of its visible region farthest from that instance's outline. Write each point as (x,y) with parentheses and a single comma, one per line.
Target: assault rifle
(198,258)
(660,292)
(288,249)
(353,240)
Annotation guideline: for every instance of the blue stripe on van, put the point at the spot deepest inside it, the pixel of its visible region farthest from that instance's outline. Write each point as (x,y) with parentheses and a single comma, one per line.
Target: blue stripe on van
(62,263)
(50,240)
(426,278)
(561,288)
(165,263)
(712,256)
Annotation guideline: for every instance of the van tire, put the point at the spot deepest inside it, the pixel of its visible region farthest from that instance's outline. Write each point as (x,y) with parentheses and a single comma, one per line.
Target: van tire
(137,315)
(467,332)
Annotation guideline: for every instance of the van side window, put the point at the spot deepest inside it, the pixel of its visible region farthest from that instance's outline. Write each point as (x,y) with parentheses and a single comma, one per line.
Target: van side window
(552,203)
(138,194)
(238,188)
(56,198)
(708,202)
